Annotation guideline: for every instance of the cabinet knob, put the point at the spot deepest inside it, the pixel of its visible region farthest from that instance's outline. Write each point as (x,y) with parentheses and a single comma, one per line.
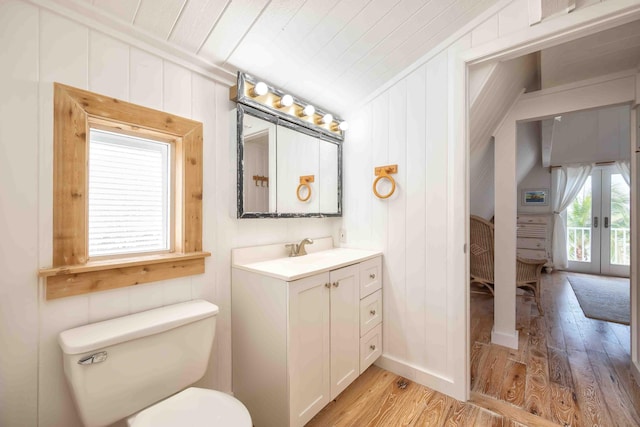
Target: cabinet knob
(372,347)
(327,285)
(336,284)
(372,312)
(372,276)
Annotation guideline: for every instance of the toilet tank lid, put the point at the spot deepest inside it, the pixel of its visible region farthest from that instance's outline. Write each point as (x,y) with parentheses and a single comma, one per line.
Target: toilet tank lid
(99,335)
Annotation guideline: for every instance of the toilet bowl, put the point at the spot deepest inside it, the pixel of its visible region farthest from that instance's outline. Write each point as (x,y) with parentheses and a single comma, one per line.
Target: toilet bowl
(194,407)
(143,364)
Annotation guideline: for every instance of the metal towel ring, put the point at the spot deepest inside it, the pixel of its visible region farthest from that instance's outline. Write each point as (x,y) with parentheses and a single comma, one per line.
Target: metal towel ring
(384,172)
(393,186)
(304,182)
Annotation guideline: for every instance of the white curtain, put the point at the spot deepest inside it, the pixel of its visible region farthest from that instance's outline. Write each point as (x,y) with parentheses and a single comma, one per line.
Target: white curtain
(624,166)
(567,182)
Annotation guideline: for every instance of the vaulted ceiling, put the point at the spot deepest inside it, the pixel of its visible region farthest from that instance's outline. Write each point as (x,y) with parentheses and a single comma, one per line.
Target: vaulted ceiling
(606,52)
(331,52)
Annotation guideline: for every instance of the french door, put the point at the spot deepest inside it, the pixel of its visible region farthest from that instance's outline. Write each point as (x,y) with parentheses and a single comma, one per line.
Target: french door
(598,225)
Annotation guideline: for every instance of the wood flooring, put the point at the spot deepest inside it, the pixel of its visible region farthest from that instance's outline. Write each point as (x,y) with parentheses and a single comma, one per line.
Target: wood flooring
(569,370)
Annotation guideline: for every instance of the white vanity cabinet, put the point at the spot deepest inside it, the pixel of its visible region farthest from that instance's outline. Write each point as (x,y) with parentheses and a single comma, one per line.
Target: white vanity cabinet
(299,342)
(324,336)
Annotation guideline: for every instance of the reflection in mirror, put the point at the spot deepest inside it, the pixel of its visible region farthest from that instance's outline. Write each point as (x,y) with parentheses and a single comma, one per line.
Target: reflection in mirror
(274,157)
(259,140)
(328,177)
(298,156)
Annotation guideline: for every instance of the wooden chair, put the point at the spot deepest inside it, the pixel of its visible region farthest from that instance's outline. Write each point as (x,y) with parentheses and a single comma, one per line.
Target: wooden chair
(528,271)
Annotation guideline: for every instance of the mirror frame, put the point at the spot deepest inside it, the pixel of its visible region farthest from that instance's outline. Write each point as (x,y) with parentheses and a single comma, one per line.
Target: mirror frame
(241,110)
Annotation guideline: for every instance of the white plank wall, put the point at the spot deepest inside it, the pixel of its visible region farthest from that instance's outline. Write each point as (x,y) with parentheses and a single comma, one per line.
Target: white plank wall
(18,206)
(44,47)
(407,125)
(410,124)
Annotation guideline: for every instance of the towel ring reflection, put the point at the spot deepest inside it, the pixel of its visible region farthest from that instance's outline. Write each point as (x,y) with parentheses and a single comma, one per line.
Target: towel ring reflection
(304,183)
(384,172)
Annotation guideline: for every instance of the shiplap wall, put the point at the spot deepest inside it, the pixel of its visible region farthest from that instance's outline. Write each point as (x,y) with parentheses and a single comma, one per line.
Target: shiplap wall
(410,124)
(406,124)
(38,48)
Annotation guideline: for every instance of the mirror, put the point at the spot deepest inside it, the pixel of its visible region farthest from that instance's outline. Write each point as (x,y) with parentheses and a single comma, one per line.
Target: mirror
(285,170)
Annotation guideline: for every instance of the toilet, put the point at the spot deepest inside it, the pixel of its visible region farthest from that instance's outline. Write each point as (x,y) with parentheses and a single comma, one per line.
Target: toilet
(139,366)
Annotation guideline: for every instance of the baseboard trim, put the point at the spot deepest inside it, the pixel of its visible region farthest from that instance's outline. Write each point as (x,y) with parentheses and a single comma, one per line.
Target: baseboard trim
(421,376)
(506,340)
(635,371)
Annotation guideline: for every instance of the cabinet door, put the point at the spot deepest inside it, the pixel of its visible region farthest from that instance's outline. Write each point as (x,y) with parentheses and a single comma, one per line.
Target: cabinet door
(345,327)
(309,364)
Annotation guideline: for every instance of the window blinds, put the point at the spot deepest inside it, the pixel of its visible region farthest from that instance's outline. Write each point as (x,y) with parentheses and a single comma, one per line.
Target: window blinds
(129,194)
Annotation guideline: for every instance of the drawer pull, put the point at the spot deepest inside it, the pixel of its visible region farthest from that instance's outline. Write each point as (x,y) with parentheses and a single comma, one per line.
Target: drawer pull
(372,312)
(336,284)
(372,276)
(327,285)
(372,347)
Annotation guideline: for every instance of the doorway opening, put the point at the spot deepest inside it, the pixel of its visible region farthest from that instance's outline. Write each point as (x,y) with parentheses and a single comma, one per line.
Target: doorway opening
(561,334)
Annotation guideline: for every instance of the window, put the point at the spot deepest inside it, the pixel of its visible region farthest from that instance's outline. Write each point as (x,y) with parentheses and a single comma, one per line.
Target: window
(127,195)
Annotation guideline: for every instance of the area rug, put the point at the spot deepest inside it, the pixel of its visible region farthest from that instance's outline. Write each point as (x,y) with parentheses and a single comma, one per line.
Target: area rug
(603,298)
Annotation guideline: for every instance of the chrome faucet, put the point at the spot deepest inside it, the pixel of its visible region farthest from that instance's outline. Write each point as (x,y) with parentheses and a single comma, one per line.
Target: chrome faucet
(297,249)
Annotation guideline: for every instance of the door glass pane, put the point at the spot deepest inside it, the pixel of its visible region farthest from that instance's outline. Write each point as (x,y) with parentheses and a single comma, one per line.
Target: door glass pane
(620,230)
(579,225)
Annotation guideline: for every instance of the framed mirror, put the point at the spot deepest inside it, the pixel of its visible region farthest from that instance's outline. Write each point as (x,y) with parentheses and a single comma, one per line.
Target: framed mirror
(285,170)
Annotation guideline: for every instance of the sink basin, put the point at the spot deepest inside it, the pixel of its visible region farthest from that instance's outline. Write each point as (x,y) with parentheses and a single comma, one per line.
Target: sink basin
(293,268)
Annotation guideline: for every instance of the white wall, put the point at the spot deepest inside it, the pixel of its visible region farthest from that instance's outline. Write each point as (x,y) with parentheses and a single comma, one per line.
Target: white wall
(491,93)
(529,170)
(538,177)
(591,136)
(410,122)
(38,48)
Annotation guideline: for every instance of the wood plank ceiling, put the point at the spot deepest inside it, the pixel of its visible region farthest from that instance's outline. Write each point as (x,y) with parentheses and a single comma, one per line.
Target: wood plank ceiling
(330,52)
(606,52)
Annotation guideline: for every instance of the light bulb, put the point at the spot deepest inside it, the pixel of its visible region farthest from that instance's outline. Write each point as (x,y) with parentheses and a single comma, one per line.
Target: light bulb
(309,110)
(260,89)
(343,126)
(327,118)
(286,101)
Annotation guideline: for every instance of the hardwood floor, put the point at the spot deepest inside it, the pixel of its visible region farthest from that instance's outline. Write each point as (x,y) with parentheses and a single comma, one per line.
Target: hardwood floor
(568,370)
(378,398)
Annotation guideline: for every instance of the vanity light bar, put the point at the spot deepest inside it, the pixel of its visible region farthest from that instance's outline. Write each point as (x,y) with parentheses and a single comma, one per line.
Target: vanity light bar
(263,96)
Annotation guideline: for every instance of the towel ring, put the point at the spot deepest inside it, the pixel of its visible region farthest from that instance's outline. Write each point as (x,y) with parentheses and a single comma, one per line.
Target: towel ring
(393,186)
(300,187)
(384,172)
(304,183)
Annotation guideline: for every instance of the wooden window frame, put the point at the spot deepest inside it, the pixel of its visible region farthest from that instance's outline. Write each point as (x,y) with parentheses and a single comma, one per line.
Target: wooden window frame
(76,111)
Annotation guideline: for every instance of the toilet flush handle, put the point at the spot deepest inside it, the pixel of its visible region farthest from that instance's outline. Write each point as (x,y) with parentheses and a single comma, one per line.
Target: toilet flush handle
(93,358)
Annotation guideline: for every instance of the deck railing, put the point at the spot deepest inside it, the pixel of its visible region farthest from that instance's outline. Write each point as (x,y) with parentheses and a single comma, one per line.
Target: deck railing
(620,242)
(579,245)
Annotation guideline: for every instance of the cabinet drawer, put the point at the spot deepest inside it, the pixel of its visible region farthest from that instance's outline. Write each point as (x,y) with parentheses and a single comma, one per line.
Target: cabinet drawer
(532,231)
(531,253)
(531,244)
(370,347)
(541,219)
(370,276)
(370,312)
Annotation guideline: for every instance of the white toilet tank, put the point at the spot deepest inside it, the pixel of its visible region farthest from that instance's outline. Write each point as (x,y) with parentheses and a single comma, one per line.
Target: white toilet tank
(120,366)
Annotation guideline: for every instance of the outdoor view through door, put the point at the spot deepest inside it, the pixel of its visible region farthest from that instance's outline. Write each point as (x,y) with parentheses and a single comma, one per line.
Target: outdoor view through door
(598,225)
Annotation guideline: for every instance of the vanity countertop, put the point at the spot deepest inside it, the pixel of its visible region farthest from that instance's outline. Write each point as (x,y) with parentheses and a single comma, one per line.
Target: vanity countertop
(294,268)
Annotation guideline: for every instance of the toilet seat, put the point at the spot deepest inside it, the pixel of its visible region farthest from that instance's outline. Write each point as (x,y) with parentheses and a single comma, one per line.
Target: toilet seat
(194,407)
